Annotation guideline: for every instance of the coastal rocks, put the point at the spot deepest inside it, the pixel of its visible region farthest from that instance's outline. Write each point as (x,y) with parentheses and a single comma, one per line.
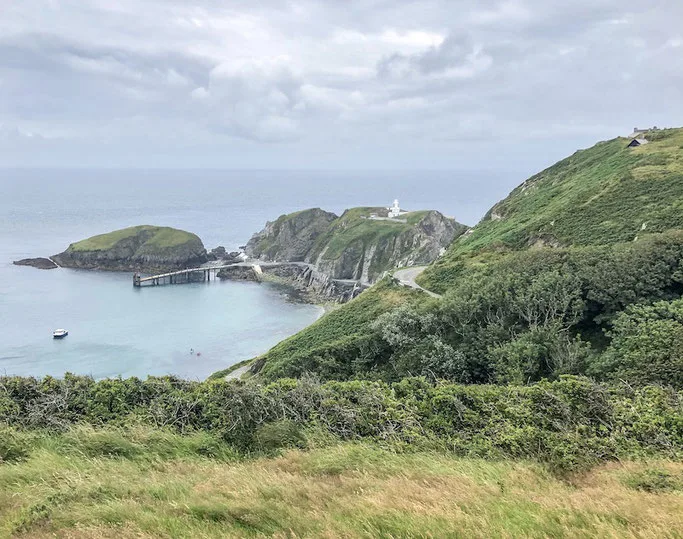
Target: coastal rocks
(240,273)
(358,245)
(314,285)
(341,255)
(220,254)
(291,237)
(141,248)
(40,263)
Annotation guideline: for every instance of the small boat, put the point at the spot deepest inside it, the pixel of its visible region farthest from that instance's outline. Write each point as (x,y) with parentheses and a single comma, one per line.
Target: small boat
(59,333)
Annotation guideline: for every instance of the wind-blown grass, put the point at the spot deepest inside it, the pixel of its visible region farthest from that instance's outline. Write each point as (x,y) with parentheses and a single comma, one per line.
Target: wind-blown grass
(65,489)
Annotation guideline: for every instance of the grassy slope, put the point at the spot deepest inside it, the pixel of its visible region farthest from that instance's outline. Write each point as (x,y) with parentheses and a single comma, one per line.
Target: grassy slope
(87,484)
(162,238)
(346,324)
(353,227)
(603,195)
(600,195)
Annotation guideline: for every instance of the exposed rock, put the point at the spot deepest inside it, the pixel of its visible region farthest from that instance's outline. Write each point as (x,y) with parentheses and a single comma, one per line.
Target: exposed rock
(543,240)
(40,263)
(355,246)
(219,252)
(240,273)
(141,248)
(314,285)
(291,237)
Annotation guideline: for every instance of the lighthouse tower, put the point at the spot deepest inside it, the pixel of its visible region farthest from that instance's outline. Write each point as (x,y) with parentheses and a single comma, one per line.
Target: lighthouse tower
(395,210)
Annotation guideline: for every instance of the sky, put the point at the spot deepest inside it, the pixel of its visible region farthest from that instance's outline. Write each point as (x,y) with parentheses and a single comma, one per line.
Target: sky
(508,86)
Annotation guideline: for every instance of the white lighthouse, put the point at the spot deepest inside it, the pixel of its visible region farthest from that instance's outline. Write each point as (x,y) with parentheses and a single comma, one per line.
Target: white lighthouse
(395,210)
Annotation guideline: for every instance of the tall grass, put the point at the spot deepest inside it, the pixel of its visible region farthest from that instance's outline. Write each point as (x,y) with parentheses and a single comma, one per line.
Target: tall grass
(145,483)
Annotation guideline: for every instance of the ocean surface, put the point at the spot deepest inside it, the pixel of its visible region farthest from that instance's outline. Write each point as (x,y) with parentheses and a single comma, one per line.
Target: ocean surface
(116,329)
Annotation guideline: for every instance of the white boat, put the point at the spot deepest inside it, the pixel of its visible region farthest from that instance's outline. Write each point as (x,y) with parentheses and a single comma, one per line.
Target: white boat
(59,333)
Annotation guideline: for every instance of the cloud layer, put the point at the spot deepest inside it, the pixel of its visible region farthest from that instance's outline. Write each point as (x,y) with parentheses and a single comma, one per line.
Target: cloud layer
(304,83)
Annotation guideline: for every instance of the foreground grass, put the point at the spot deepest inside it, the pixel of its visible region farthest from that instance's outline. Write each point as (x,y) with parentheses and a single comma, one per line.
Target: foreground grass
(108,484)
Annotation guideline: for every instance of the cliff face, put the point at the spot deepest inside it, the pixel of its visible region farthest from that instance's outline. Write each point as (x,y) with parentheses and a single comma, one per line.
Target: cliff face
(140,248)
(290,237)
(355,246)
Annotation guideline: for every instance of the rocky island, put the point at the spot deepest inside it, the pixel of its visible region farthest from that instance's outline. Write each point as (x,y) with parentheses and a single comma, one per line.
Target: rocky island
(139,248)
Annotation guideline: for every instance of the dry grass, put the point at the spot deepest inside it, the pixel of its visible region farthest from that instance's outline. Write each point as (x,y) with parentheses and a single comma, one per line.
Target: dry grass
(343,491)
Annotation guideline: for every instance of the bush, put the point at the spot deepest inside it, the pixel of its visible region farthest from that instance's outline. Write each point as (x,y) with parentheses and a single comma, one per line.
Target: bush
(647,346)
(569,424)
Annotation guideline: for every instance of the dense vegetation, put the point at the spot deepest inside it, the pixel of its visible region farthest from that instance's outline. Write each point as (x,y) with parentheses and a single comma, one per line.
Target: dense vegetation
(569,424)
(552,281)
(510,318)
(325,346)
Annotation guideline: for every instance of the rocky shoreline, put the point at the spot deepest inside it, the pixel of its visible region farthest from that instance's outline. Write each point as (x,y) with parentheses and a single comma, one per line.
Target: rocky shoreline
(39,263)
(309,284)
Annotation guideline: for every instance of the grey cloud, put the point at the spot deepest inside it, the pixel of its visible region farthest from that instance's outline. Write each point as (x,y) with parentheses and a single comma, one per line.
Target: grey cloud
(178,79)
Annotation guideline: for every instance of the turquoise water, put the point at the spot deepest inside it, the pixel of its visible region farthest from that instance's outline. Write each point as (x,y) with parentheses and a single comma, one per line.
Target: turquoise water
(116,329)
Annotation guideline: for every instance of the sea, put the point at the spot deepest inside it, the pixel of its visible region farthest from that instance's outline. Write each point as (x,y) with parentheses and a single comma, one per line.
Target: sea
(189,330)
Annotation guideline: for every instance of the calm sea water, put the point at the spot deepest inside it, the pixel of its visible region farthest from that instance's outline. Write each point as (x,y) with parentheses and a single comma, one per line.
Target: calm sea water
(116,329)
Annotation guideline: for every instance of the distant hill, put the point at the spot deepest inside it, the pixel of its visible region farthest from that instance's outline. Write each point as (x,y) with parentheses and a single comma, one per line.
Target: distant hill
(138,248)
(360,245)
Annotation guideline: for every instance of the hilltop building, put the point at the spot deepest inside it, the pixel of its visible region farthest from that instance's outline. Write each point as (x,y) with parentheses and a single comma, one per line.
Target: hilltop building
(637,142)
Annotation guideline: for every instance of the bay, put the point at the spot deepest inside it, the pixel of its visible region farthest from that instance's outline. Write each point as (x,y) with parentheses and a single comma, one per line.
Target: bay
(189,330)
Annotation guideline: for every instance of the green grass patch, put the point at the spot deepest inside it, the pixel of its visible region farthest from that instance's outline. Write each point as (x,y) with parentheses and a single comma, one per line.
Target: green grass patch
(150,237)
(345,490)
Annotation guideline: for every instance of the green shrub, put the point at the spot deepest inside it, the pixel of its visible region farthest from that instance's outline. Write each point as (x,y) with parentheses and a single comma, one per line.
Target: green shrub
(647,346)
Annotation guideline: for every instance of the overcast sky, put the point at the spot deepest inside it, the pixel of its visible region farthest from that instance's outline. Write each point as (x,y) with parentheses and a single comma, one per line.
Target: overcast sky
(451,84)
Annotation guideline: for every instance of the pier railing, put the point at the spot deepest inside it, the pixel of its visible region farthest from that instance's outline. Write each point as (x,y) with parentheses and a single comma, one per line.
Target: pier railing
(188,275)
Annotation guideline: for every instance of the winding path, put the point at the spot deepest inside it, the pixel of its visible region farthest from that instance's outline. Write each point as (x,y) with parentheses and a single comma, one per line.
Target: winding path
(407,277)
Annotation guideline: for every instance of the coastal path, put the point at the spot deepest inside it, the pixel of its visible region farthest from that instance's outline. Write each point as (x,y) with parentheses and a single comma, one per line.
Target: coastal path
(407,276)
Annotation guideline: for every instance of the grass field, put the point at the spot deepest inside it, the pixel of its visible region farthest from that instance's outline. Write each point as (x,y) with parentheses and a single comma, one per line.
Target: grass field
(144,484)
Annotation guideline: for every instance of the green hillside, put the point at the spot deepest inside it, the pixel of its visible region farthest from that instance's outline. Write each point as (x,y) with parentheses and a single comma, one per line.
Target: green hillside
(549,283)
(603,195)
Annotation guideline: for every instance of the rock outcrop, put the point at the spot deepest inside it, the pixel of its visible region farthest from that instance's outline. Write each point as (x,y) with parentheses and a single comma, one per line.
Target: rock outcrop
(291,237)
(358,245)
(314,285)
(40,263)
(141,248)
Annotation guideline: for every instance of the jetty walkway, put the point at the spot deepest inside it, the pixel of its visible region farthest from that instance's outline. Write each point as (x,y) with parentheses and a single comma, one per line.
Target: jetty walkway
(202,273)
(188,275)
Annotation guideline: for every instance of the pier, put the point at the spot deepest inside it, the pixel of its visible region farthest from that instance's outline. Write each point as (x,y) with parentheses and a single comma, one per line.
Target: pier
(189,275)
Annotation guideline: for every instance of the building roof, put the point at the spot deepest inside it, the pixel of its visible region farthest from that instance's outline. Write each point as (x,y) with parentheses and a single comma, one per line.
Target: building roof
(638,142)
